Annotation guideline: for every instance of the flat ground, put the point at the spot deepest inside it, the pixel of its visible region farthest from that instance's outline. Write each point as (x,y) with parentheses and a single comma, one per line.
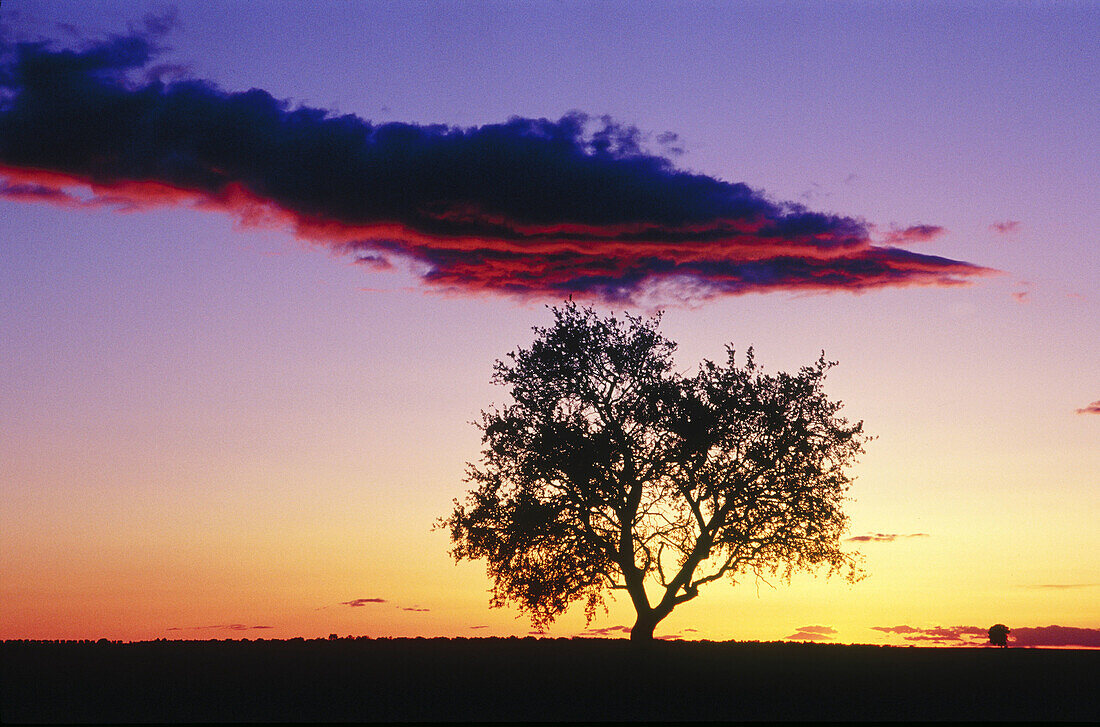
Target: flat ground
(528,679)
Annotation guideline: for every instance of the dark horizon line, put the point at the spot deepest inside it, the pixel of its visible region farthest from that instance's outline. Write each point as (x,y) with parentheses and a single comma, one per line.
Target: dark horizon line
(529,637)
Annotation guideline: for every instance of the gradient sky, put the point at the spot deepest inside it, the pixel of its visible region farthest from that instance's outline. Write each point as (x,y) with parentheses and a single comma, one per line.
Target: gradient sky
(210,426)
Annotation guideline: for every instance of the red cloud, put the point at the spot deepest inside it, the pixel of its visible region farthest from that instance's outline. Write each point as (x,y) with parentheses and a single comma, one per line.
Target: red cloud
(1093,408)
(610,262)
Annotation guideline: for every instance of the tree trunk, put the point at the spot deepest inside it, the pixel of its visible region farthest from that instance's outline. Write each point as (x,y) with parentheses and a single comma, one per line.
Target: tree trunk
(642,632)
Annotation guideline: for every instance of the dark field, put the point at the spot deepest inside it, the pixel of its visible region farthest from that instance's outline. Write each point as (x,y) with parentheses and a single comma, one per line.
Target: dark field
(527,679)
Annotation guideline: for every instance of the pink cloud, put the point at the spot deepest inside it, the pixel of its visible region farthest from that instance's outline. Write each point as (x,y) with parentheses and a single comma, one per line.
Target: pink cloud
(914,233)
(952,635)
(812,633)
(1055,636)
(977,636)
(1005,227)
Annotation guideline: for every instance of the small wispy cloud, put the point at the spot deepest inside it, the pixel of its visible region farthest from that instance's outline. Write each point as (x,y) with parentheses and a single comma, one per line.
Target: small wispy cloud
(1005,227)
(373,262)
(1093,408)
(605,631)
(357,602)
(1022,296)
(1062,586)
(31,192)
(884,537)
(416,609)
(914,233)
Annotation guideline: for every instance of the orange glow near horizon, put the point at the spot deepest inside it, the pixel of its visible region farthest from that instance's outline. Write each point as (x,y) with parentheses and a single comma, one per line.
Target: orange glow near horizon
(237,384)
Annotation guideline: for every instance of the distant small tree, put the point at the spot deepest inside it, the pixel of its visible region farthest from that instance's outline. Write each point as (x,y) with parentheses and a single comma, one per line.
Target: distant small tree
(611,471)
(998,635)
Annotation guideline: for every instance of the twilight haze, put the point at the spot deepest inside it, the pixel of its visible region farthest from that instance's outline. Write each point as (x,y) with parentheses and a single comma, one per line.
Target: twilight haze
(258,260)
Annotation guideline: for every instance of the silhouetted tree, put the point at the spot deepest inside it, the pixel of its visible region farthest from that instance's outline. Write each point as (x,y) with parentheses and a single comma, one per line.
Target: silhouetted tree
(611,471)
(998,635)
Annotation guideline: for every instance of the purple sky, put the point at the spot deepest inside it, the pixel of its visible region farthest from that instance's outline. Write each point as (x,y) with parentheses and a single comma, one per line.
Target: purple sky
(211,422)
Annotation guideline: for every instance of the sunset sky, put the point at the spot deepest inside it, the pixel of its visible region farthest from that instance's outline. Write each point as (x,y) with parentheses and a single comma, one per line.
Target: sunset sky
(257,260)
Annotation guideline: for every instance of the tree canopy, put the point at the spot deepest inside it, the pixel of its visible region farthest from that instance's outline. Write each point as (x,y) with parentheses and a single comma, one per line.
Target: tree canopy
(611,471)
(998,635)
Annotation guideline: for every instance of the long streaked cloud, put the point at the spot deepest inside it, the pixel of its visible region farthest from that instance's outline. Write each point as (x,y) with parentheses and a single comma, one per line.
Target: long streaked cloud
(360,602)
(976,635)
(812,633)
(529,207)
(884,537)
(218,627)
(956,635)
(1093,408)
(619,631)
(605,631)
(1062,586)
(1055,636)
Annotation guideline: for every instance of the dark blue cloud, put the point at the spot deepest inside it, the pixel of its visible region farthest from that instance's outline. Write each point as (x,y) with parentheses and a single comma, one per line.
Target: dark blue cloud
(576,205)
